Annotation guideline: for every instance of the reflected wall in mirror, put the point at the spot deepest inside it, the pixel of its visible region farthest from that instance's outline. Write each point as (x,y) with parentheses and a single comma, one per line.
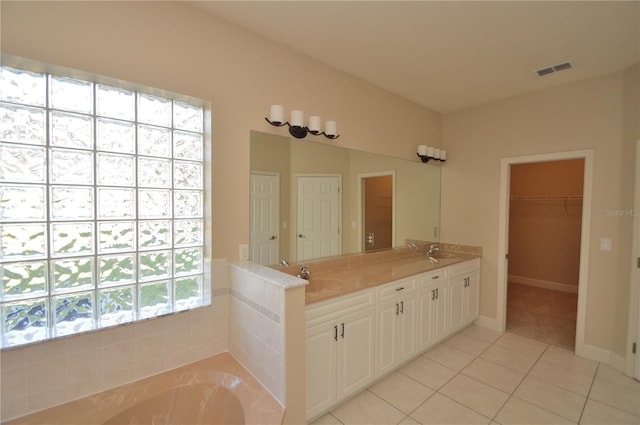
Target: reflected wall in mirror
(278,206)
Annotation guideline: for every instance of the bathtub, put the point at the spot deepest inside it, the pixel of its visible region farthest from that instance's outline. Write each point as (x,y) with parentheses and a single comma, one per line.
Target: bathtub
(216,390)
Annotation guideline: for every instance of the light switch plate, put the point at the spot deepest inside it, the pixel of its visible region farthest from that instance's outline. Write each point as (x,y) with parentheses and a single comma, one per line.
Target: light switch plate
(243,253)
(605,244)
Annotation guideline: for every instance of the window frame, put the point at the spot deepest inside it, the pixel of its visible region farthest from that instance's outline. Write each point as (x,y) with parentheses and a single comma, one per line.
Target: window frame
(205,298)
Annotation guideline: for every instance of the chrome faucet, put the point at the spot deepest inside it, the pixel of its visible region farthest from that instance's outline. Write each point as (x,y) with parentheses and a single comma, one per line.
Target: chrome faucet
(305,273)
(284,263)
(433,248)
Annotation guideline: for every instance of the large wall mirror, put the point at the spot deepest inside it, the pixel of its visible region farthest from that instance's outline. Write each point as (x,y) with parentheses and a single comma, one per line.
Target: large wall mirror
(311,200)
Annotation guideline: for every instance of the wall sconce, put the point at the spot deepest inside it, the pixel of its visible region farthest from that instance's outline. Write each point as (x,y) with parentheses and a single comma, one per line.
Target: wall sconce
(427,153)
(296,125)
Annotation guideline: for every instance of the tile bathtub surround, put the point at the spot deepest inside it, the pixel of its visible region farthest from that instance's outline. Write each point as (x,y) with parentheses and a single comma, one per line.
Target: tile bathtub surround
(472,378)
(256,322)
(45,374)
(149,397)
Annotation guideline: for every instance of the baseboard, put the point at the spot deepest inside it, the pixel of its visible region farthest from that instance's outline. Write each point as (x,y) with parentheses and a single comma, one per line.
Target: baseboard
(488,322)
(556,286)
(603,356)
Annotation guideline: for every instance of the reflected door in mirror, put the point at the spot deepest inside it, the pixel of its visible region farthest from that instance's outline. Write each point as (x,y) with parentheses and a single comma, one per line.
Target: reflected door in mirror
(378,212)
(264,217)
(318,231)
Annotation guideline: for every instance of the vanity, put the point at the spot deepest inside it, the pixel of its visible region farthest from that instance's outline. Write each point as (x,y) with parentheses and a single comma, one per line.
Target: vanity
(372,302)
(368,314)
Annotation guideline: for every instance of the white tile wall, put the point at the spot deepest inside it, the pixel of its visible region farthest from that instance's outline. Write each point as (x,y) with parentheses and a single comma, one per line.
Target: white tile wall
(256,328)
(46,374)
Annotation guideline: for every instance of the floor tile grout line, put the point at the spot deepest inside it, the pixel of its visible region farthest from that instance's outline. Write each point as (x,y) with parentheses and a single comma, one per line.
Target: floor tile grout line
(513,395)
(593,380)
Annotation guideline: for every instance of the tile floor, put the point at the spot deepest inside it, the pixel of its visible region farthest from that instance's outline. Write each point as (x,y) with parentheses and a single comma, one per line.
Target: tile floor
(542,314)
(479,376)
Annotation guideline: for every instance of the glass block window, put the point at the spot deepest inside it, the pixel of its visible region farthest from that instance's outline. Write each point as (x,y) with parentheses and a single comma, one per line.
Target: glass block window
(101,205)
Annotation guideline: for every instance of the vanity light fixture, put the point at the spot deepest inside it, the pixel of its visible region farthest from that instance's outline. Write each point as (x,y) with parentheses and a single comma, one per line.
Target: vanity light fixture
(427,153)
(296,124)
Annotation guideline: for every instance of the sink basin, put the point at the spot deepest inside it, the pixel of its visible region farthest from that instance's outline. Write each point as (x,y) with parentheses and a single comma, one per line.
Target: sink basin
(444,254)
(323,284)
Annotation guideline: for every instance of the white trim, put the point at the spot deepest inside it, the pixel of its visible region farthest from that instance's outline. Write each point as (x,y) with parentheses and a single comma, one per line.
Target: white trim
(503,236)
(359,223)
(547,284)
(487,322)
(632,361)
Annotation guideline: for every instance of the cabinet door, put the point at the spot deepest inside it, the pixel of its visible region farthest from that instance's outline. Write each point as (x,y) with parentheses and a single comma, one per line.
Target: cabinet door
(440,317)
(472,297)
(457,292)
(386,337)
(407,345)
(321,367)
(426,301)
(355,352)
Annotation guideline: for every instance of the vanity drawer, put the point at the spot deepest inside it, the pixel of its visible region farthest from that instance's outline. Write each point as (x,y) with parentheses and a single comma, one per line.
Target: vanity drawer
(391,290)
(433,276)
(465,267)
(335,307)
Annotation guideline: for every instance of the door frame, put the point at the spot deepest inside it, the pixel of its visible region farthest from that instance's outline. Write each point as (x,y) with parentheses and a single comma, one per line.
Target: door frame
(503,236)
(360,222)
(277,208)
(295,206)
(633,332)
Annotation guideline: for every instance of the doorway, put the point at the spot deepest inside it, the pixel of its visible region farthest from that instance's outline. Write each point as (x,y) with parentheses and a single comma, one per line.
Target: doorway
(503,237)
(319,214)
(264,217)
(545,220)
(378,212)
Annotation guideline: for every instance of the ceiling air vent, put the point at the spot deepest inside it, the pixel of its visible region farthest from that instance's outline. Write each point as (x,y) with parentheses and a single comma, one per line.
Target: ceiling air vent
(555,68)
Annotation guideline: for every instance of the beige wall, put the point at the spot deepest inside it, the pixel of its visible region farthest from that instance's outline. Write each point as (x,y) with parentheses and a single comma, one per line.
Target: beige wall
(180,48)
(545,222)
(599,114)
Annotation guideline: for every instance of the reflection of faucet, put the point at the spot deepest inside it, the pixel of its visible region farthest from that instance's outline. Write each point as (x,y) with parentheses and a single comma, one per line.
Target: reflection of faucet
(284,263)
(433,248)
(305,273)
(413,245)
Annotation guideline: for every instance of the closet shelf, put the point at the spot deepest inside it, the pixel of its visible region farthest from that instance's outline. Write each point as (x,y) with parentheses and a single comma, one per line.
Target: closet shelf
(546,198)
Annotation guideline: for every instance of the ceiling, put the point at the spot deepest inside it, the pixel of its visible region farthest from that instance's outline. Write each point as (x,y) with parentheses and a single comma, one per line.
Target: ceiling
(450,55)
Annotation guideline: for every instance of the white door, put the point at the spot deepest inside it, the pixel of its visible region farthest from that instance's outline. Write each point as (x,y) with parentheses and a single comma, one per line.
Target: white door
(318,227)
(264,218)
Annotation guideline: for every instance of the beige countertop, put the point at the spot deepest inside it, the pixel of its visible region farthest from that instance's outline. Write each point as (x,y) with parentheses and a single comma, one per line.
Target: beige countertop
(329,282)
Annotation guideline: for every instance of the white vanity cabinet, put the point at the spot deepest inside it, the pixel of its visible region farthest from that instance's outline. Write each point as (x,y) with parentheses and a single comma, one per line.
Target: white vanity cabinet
(433,308)
(354,339)
(396,320)
(464,284)
(339,349)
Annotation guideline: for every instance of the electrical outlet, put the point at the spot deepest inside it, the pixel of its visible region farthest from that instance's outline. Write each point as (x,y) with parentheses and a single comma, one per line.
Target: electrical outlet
(243,252)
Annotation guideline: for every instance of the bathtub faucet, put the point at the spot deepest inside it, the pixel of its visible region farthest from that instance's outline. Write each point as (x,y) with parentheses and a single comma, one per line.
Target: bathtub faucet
(305,273)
